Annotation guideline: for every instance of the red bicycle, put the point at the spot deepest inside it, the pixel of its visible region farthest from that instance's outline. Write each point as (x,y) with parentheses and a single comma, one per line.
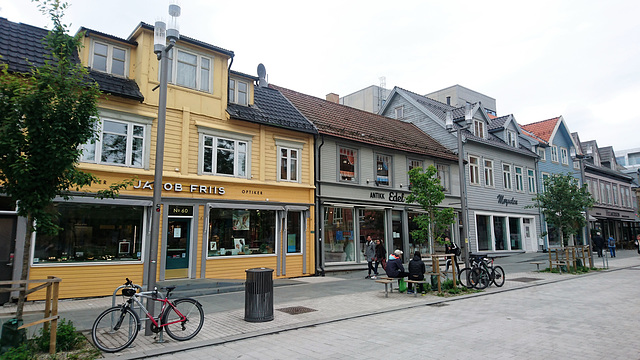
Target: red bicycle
(117,327)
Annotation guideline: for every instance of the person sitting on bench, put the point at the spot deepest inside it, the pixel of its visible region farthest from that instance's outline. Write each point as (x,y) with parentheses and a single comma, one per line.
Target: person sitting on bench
(416,272)
(395,268)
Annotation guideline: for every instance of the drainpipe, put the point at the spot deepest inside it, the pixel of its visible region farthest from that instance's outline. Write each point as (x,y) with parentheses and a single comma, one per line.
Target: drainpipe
(319,217)
(545,244)
(228,77)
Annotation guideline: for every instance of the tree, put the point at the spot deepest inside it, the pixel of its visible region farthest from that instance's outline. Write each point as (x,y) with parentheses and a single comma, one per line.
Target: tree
(45,117)
(563,204)
(427,191)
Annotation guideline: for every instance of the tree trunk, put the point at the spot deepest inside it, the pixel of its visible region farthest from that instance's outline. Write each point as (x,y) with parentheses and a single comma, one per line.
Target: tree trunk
(25,266)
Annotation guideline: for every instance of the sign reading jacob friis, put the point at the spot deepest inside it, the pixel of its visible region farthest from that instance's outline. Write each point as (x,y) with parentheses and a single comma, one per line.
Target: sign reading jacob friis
(177,187)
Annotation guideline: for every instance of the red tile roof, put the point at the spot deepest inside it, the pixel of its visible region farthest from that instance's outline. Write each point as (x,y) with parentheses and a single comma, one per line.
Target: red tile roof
(362,126)
(542,129)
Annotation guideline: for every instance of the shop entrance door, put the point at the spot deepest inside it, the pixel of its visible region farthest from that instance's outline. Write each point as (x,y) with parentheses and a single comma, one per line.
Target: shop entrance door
(177,252)
(7,245)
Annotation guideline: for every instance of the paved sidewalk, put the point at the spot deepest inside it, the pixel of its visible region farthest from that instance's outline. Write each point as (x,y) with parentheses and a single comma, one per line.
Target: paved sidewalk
(333,298)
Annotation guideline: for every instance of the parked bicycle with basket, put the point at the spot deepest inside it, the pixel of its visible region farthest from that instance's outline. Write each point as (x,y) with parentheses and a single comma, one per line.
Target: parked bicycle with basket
(117,327)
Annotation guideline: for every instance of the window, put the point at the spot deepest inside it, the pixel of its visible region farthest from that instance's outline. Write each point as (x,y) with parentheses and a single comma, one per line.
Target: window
(512,138)
(506,176)
(348,165)
(92,233)
(576,164)
(289,160)
(400,112)
(519,179)
(564,156)
(294,231)
(478,128)
(108,58)
(222,155)
(542,153)
(474,171)
(554,153)
(241,232)
(238,92)
(627,196)
(118,143)
(614,188)
(416,164)
(545,177)
(443,175)
(531,180)
(488,173)
(604,194)
(383,163)
(190,70)
(595,191)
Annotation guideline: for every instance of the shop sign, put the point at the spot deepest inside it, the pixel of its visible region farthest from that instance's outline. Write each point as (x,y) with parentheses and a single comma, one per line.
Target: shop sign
(180,210)
(376,195)
(393,196)
(507,202)
(178,187)
(613,213)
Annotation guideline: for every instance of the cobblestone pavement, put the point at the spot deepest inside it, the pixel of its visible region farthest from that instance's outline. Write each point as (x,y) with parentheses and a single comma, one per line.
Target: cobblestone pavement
(535,315)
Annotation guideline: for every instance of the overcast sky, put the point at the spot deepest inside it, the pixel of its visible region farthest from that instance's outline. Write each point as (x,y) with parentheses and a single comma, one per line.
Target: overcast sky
(578,59)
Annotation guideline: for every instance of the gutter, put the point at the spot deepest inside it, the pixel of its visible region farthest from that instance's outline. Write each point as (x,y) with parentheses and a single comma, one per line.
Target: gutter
(318,228)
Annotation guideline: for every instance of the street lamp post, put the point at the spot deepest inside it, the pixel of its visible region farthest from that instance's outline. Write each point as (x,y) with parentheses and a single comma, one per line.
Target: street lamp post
(161,48)
(581,158)
(468,118)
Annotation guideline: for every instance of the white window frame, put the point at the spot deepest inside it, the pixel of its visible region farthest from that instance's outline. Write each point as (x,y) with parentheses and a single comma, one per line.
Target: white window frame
(356,163)
(474,170)
(544,176)
(444,174)
(564,156)
(615,193)
(109,58)
(506,177)
(519,177)
(234,92)
(554,154)
(237,138)
(478,128)
(488,173)
(542,153)
(531,181)
(512,139)
(92,150)
(173,70)
(399,112)
(289,146)
(413,163)
(389,161)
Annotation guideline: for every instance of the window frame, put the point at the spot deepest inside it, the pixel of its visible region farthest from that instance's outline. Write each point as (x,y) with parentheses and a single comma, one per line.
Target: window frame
(489,180)
(544,176)
(542,153)
(376,174)
(615,194)
(554,154)
(224,135)
(399,111)
(234,92)
(519,178)
(479,128)
(512,139)
(410,164)
(506,175)
(531,181)
(474,170)
(109,58)
(564,156)
(289,146)
(356,163)
(173,69)
(444,174)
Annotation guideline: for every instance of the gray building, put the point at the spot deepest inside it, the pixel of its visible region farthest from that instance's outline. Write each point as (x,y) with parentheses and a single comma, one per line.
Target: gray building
(369,99)
(500,171)
(458,96)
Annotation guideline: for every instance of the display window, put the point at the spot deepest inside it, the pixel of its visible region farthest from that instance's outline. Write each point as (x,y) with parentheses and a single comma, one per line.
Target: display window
(241,232)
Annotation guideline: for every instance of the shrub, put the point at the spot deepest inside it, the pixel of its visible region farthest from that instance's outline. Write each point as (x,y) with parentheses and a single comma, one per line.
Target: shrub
(67,338)
(22,352)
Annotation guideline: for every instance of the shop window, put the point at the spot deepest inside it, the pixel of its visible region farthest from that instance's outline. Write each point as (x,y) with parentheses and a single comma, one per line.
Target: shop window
(488,173)
(224,156)
(339,235)
(190,70)
(109,59)
(238,92)
(383,163)
(118,142)
(506,176)
(515,233)
(474,170)
(348,164)
(500,233)
(92,233)
(294,231)
(483,223)
(519,179)
(241,232)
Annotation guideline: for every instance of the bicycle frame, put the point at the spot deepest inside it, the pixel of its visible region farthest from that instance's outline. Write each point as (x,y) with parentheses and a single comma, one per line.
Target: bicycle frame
(166,304)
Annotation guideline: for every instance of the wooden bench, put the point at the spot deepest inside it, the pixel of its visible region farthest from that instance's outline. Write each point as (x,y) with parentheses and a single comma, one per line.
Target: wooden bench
(558,263)
(415,291)
(537,264)
(388,285)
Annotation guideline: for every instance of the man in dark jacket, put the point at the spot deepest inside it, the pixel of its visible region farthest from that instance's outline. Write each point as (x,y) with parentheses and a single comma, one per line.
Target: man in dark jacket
(598,241)
(416,272)
(395,268)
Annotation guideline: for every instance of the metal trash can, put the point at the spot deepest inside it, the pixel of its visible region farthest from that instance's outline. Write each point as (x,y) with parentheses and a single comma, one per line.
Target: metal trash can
(11,336)
(258,295)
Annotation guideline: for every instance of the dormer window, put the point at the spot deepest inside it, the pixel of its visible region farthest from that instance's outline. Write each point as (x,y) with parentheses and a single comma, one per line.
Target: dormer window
(238,92)
(478,128)
(399,112)
(109,58)
(190,70)
(512,138)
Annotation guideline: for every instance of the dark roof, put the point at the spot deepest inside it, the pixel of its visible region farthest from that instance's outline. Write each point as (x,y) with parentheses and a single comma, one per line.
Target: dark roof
(88,32)
(21,47)
(353,124)
(497,123)
(272,108)
(238,73)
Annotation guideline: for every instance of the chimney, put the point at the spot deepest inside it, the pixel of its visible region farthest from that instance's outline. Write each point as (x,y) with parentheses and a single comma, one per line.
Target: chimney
(333,97)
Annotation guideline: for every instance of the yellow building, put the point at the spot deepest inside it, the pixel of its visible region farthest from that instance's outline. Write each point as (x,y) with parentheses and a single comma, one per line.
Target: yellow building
(238,186)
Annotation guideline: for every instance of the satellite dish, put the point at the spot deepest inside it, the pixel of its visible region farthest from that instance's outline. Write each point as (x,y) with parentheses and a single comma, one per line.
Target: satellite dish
(262,75)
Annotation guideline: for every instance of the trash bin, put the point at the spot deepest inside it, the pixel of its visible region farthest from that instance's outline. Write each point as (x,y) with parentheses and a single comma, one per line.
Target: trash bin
(258,295)
(11,336)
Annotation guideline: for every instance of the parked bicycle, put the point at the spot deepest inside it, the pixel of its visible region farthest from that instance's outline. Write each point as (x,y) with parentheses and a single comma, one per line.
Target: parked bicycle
(481,273)
(117,327)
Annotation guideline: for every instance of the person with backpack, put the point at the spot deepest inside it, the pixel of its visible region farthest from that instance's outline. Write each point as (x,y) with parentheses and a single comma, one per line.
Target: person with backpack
(611,243)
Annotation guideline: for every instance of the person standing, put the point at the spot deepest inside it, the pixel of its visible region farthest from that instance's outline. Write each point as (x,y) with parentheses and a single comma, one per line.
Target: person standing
(451,248)
(381,255)
(370,254)
(611,243)
(416,272)
(598,242)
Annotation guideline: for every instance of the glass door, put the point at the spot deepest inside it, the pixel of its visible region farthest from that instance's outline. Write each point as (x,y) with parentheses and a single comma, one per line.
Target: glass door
(177,252)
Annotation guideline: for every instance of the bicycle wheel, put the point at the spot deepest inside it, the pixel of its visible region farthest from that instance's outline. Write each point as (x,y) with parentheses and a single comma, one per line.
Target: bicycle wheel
(115,329)
(183,330)
(462,277)
(498,276)
(478,278)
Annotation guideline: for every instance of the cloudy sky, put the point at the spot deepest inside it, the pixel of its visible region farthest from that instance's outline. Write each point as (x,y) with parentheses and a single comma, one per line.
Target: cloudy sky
(578,59)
